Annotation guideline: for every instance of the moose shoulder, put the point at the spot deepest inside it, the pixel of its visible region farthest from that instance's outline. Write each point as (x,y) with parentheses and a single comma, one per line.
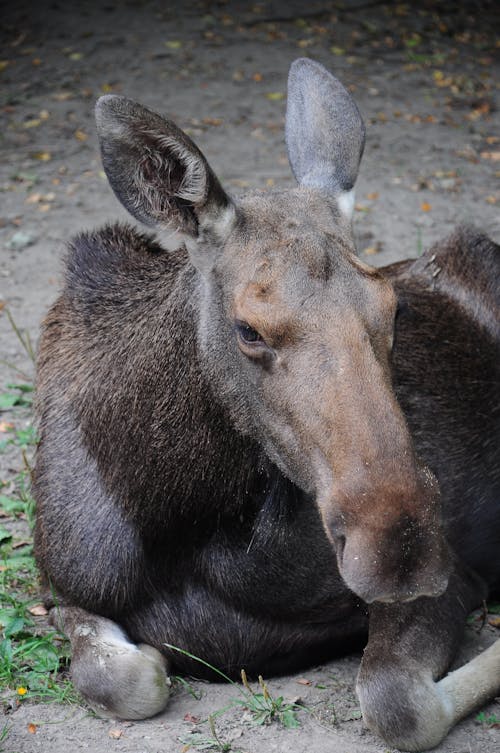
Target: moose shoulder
(257,447)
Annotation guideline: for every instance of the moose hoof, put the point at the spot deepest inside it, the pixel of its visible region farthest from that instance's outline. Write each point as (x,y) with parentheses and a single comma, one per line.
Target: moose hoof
(408,711)
(116,677)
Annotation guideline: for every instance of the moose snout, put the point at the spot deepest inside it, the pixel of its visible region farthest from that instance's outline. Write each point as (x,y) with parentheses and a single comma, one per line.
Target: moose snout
(387,555)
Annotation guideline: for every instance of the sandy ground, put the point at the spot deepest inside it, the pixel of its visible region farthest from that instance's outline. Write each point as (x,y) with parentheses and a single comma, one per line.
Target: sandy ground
(425,82)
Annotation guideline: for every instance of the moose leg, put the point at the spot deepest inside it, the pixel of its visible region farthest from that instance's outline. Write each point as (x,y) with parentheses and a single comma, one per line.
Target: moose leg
(410,646)
(116,677)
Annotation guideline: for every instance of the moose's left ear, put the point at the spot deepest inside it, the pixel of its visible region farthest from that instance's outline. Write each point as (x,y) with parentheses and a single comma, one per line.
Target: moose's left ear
(157,172)
(325,134)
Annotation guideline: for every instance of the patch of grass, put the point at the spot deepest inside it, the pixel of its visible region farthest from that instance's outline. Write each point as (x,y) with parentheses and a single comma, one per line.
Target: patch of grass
(261,705)
(34,659)
(488,720)
(265,708)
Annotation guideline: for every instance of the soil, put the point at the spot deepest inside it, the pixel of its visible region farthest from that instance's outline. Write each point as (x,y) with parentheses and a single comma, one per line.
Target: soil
(426,80)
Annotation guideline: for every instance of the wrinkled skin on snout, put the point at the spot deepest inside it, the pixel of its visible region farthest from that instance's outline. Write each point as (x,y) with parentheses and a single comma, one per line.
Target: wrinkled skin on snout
(309,330)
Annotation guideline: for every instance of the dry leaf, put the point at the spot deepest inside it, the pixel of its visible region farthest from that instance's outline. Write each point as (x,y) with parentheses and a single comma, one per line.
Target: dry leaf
(32,728)
(38,610)
(191,718)
(42,156)
(80,135)
(257,76)
(275,96)
(425,206)
(33,123)
(115,733)
(5,425)
(493,156)
(494,620)
(3,64)
(303,681)
(372,196)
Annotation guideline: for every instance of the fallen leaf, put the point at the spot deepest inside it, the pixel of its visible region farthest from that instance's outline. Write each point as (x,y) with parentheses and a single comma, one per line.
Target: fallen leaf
(32,728)
(173,44)
(494,621)
(33,123)
(5,425)
(38,610)
(212,121)
(491,199)
(3,64)
(115,733)
(20,544)
(372,196)
(425,206)
(42,156)
(257,76)
(303,681)
(493,156)
(80,135)
(76,56)
(191,718)
(274,96)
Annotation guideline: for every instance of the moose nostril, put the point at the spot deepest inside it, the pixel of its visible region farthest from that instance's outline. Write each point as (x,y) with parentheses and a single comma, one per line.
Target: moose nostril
(339,542)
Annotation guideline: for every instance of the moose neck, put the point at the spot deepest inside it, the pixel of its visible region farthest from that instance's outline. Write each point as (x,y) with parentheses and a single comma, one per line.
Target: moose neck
(179,458)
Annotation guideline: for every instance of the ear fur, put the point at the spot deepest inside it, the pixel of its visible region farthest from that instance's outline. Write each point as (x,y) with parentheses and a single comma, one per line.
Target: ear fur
(156,171)
(325,133)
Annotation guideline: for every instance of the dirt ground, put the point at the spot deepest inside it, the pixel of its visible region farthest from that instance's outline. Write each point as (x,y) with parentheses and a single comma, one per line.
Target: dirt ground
(425,77)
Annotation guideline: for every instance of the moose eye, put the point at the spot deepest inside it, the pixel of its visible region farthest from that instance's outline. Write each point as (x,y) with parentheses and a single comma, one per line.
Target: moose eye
(247,333)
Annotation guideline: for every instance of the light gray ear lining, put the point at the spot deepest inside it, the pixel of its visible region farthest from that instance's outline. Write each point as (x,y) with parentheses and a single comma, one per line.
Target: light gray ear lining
(156,171)
(325,133)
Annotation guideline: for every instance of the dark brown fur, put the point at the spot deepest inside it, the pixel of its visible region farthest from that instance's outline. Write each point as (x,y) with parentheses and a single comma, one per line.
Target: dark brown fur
(240,497)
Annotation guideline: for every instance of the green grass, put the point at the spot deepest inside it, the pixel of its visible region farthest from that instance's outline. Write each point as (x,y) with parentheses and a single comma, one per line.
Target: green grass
(262,707)
(34,659)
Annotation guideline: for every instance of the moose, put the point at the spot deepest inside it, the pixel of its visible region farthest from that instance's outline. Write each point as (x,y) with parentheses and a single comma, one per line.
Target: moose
(260,449)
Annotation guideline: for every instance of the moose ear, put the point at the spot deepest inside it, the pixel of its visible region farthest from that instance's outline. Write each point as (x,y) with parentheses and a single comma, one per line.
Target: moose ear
(157,172)
(325,134)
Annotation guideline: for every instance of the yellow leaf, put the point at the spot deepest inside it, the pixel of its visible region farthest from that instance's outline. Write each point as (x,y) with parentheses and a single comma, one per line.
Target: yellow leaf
(3,64)
(80,135)
(34,123)
(337,50)
(32,728)
(275,96)
(42,156)
(76,56)
(106,88)
(173,44)
(372,196)
(425,206)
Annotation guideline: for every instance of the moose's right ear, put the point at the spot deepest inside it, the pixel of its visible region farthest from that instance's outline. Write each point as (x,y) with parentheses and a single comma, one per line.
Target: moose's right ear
(325,134)
(157,172)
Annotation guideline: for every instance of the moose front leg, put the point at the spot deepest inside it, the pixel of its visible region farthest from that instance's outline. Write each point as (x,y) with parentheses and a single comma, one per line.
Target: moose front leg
(410,646)
(115,676)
